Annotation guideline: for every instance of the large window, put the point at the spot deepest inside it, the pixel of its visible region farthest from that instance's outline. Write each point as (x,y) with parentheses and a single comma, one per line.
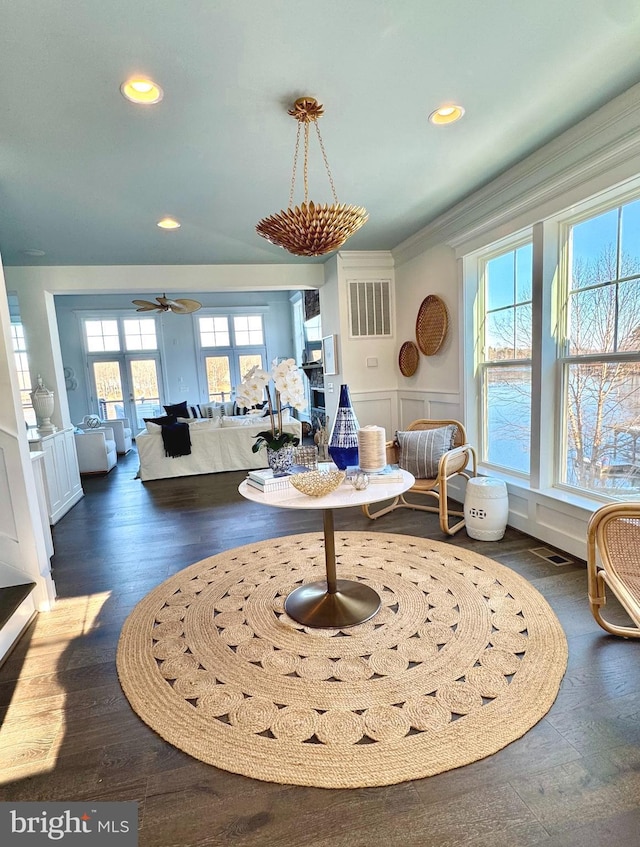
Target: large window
(22,367)
(505,359)
(601,364)
(556,350)
(231,345)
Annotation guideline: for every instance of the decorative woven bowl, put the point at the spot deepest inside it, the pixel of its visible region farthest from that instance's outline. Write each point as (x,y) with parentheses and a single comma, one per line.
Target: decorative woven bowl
(316,483)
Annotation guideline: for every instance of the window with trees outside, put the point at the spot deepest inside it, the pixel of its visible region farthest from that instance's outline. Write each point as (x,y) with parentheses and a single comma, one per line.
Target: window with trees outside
(555,349)
(231,345)
(505,359)
(600,364)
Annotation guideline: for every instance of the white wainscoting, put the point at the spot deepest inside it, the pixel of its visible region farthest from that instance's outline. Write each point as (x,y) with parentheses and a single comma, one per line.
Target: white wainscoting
(433,405)
(377,408)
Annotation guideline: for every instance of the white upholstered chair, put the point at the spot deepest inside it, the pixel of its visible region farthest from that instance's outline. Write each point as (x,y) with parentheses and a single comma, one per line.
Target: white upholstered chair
(122,432)
(120,426)
(96,449)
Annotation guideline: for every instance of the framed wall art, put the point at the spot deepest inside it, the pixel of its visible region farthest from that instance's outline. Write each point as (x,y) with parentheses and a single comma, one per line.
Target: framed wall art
(329,358)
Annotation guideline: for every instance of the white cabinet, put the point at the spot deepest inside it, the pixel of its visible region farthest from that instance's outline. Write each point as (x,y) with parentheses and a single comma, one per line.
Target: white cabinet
(37,462)
(61,473)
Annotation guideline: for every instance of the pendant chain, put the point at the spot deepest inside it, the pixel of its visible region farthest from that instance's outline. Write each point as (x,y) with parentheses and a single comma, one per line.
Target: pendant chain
(306,163)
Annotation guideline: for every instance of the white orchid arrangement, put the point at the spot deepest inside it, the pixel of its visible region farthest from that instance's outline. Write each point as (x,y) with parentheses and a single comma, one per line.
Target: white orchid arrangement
(288,390)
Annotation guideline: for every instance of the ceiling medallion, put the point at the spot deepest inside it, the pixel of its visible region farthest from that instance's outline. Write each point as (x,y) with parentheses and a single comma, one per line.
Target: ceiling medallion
(311,229)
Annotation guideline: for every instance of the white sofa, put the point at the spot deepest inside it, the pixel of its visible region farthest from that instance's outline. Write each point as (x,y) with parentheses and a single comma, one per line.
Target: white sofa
(96,449)
(214,448)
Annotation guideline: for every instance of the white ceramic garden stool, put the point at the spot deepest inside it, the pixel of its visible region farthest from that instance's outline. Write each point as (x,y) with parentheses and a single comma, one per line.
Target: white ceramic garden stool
(486,508)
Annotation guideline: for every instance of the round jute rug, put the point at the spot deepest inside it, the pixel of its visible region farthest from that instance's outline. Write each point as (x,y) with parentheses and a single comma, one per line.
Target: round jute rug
(463,657)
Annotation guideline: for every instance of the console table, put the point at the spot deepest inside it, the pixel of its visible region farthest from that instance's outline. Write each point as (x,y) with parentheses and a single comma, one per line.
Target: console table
(335,602)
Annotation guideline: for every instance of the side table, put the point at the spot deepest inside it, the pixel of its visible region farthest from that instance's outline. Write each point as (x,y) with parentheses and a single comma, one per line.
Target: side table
(486,508)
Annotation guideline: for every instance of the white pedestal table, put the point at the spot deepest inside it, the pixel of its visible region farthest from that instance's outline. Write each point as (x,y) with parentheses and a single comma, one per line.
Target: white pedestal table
(335,602)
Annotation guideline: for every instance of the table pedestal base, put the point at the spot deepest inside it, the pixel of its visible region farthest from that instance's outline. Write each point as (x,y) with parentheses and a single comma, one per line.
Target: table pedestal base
(313,605)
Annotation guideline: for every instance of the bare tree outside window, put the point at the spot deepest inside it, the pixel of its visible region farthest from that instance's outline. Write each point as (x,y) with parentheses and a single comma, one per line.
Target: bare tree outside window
(601,373)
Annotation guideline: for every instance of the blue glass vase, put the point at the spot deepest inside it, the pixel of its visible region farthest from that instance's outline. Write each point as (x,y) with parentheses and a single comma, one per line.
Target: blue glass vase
(343,443)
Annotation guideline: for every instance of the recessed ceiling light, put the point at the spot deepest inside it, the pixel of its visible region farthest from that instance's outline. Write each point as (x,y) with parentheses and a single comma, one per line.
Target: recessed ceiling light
(31,251)
(141,90)
(169,223)
(446,114)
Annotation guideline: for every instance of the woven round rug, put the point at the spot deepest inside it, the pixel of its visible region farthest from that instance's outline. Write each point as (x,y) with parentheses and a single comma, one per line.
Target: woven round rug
(463,657)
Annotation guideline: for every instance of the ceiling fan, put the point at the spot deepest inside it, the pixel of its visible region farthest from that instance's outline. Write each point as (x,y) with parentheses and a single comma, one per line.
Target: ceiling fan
(165,304)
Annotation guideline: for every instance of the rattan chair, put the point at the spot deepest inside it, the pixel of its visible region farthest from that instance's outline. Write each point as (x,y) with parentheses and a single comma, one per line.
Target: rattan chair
(613,560)
(453,463)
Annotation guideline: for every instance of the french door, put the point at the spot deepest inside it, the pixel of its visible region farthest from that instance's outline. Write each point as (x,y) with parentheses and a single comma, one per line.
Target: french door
(127,386)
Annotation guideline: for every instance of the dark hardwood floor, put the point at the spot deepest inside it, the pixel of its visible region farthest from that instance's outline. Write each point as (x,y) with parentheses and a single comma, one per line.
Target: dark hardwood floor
(68,732)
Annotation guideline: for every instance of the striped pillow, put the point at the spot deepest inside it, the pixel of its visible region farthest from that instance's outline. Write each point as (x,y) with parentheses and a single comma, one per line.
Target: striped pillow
(422,449)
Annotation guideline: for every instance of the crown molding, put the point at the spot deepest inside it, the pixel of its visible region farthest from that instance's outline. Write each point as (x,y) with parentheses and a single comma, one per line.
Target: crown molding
(608,138)
(366,259)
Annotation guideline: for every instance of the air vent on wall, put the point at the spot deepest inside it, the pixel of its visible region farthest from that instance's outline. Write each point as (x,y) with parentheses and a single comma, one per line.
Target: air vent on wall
(370,308)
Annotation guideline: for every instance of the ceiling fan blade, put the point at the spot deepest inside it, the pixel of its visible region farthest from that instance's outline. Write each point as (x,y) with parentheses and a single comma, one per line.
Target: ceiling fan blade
(184,306)
(146,306)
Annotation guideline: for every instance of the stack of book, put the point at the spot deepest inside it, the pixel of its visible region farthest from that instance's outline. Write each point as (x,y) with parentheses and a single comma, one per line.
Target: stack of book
(269,483)
(389,474)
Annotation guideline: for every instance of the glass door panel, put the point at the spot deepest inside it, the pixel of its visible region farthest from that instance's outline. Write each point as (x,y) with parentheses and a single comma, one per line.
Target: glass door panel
(144,389)
(107,378)
(248,361)
(218,377)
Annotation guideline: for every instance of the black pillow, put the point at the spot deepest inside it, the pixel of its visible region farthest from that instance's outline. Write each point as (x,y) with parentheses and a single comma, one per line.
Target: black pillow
(178,410)
(165,420)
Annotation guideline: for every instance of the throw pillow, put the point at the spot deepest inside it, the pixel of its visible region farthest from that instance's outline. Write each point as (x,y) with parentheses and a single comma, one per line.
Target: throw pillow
(178,410)
(154,424)
(422,449)
(211,410)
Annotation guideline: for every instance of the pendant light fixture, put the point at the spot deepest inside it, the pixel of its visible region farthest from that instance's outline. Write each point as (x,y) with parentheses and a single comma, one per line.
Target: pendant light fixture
(311,229)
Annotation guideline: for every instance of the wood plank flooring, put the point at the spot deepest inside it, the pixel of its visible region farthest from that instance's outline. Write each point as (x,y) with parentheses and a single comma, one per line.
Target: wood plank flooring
(68,732)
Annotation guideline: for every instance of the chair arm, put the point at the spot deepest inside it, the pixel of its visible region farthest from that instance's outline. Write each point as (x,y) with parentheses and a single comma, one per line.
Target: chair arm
(455,452)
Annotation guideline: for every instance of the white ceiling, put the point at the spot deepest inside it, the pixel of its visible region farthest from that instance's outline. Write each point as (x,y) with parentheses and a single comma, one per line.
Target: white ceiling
(85,175)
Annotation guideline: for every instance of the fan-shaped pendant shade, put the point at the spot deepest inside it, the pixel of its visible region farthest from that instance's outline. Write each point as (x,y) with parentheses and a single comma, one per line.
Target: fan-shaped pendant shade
(311,229)
(181,306)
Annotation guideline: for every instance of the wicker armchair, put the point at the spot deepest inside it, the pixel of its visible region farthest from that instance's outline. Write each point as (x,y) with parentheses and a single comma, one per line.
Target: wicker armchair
(453,463)
(613,561)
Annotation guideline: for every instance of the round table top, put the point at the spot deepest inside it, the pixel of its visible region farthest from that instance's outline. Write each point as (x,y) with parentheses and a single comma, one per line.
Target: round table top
(343,497)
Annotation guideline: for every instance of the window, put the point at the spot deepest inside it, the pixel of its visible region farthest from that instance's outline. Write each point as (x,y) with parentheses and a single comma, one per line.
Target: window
(505,359)
(601,365)
(248,330)
(140,334)
(231,346)
(555,347)
(24,377)
(102,336)
(214,332)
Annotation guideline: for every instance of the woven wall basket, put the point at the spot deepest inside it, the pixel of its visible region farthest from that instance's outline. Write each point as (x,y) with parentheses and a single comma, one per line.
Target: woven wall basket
(408,358)
(431,325)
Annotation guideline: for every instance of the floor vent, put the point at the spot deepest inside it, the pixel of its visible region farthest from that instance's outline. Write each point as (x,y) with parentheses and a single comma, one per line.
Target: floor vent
(551,556)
